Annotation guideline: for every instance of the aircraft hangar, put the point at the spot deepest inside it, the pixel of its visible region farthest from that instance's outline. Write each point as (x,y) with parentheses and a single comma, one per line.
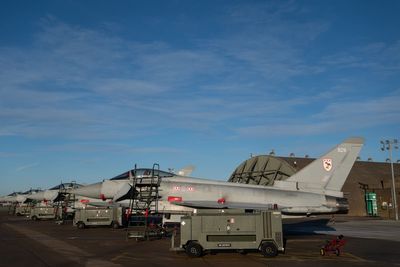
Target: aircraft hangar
(262,170)
(367,188)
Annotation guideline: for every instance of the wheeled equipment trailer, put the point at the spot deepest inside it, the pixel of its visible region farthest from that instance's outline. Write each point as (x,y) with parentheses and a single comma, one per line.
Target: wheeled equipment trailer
(105,216)
(227,229)
(45,213)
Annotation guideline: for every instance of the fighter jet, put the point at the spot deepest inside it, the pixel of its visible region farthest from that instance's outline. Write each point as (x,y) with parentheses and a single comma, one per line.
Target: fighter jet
(60,193)
(19,197)
(315,189)
(54,193)
(9,198)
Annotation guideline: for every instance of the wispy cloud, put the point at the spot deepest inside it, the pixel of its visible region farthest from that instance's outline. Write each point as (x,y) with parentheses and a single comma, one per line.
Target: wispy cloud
(84,84)
(378,57)
(80,83)
(336,117)
(7,154)
(191,81)
(107,147)
(25,167)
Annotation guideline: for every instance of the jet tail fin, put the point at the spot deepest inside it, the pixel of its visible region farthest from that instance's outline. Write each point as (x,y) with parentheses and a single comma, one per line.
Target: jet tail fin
(330,171)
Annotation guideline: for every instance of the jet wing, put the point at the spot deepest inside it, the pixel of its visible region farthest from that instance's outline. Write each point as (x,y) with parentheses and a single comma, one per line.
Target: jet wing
(123,193)
(227,205)
(103,204)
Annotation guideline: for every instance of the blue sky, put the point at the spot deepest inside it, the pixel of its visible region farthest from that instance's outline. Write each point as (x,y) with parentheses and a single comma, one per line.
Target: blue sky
(89,88)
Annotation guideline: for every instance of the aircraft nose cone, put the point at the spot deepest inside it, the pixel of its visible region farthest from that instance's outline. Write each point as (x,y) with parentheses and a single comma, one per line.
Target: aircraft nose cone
(92,190)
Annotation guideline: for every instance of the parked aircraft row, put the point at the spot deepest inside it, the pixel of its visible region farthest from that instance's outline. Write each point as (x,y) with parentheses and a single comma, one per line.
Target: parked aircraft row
(316,189)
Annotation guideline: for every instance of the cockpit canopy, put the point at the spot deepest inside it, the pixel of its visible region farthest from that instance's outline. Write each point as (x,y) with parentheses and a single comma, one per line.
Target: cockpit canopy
(14,194)
(30,191)
(66,186)
(142,173)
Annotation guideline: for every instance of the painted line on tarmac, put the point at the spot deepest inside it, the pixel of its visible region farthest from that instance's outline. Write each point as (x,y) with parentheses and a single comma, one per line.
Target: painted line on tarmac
(300,257)
(129,256)
(304,240)
(354,256)
(71,252)
(303,256)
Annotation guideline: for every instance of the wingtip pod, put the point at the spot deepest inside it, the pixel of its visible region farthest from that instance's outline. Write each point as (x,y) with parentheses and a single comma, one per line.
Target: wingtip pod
(355,140)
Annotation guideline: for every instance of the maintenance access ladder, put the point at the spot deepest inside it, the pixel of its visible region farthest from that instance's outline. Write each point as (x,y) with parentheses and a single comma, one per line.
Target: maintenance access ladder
(67,200)
(143,202)
(145,191)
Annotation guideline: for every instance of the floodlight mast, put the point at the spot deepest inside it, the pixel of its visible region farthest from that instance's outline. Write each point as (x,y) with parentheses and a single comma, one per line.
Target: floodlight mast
(389,145)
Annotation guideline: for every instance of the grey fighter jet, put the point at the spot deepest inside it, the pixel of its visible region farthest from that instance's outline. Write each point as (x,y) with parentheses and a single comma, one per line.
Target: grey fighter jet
(60,193)
(10,198)
(316,189)
(19,197)
(53,193)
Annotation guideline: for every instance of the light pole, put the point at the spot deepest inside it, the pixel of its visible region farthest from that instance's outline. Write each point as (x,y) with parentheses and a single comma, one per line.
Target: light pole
(388,145)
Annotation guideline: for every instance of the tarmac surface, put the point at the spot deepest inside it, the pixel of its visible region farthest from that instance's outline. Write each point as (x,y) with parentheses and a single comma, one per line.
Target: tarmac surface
(370,242)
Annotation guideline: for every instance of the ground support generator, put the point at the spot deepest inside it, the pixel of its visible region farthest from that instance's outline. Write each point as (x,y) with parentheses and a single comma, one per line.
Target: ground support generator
(114,217)
(227,229)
